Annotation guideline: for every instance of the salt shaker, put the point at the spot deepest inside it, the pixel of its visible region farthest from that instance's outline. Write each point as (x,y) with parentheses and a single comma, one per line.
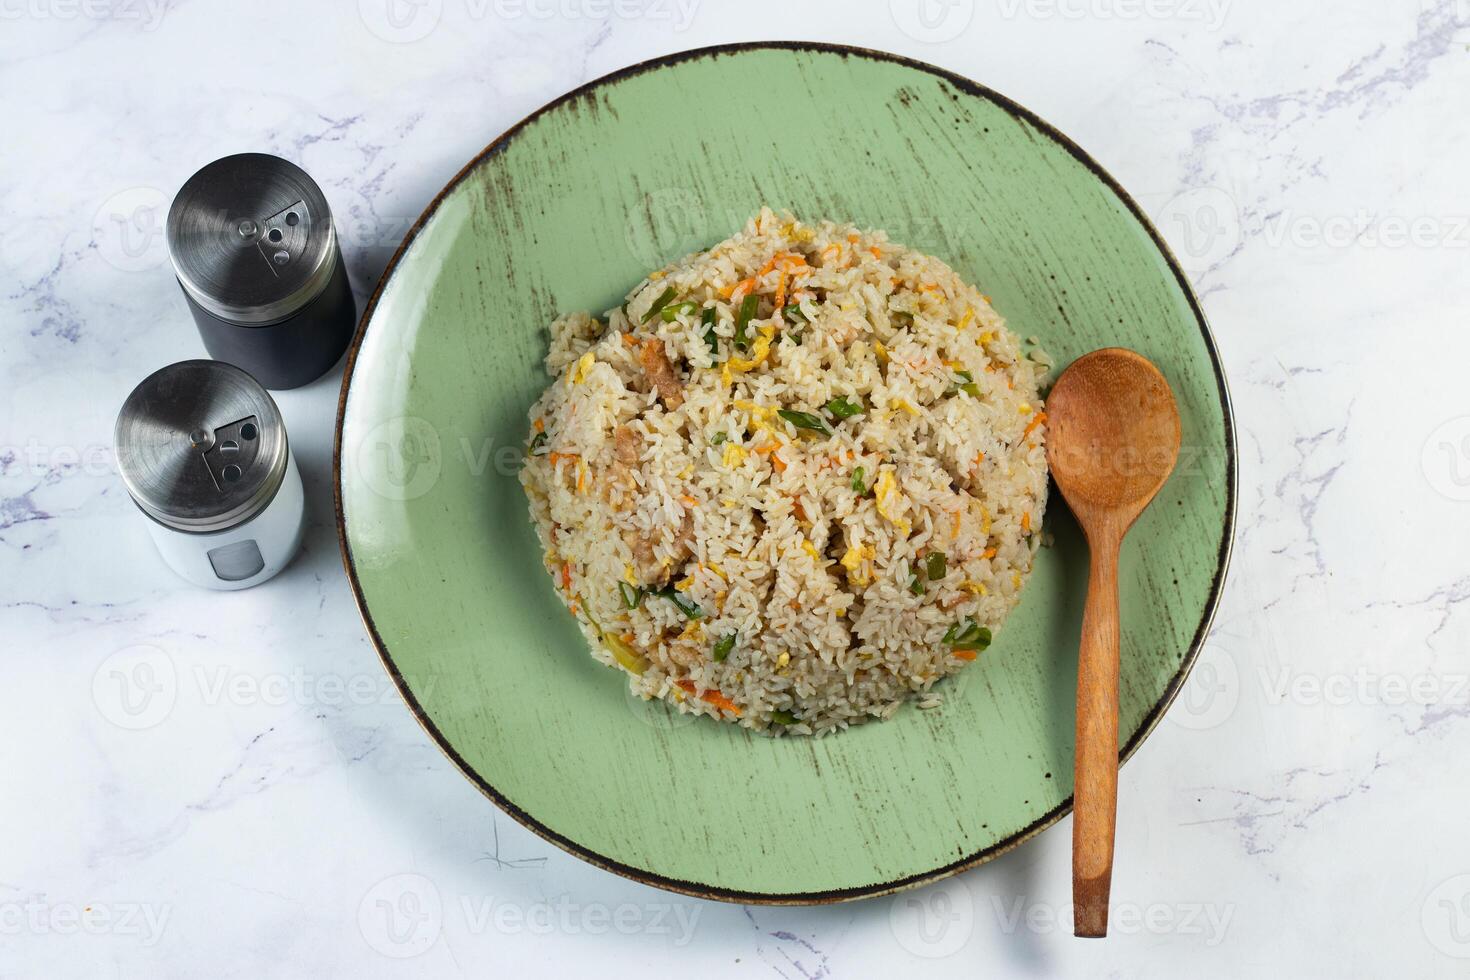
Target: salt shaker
(203,452)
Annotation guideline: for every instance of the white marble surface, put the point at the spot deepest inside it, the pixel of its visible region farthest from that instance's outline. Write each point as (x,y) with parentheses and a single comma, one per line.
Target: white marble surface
(199,785)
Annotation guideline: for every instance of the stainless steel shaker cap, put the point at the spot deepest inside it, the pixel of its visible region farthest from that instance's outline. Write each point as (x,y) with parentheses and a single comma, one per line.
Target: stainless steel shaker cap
(251,238)
(201,446)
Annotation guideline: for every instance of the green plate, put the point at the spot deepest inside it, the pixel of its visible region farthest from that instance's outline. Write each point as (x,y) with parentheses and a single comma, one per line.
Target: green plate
(566,212)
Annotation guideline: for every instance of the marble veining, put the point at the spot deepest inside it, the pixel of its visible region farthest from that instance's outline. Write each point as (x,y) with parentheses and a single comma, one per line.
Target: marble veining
(204,785)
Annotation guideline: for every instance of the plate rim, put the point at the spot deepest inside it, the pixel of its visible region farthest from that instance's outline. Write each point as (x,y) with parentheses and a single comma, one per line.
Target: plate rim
(831,895)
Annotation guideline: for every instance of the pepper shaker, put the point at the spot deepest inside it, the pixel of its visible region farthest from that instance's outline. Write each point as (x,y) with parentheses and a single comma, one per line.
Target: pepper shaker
(255,251)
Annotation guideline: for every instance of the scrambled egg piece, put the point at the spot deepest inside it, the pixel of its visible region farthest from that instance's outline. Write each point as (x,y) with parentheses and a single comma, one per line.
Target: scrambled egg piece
(579,370)
(890,502)
(853,562)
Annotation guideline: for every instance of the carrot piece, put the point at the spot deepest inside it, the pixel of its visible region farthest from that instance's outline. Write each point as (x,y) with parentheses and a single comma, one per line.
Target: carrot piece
(712,696)
(965,654)
(1036,420)
(1026,522)
(566,575)
(778,462)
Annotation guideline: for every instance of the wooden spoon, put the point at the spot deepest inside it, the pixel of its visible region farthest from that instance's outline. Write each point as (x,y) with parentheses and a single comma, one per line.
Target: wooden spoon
(1113,437)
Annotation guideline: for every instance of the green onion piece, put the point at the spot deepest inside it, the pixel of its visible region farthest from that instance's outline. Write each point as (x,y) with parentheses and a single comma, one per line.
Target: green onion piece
(795,337)
(971,389)
(966,375)
(967,635)
(536,443)
(859,484)
(805,420)
(659,304)
(689,609)
(843,407)
(936,566)
(717,438)
(671,313)
(782,717)
(793,311)
(722,649)
(916,585)
(743,318)
(707,320)
(632,595)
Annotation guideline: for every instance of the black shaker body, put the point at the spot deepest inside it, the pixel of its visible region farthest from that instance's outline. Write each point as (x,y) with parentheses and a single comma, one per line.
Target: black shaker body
(291,352)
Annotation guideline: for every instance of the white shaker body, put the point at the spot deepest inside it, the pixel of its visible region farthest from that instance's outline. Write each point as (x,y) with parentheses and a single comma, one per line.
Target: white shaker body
(242,556)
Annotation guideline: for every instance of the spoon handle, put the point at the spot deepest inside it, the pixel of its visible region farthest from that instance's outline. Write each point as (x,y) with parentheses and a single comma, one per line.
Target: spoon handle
(1095,807)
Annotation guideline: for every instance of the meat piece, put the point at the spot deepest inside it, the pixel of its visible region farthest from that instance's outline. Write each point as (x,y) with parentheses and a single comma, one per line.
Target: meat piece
(650,570)
(627,445)
(661,373)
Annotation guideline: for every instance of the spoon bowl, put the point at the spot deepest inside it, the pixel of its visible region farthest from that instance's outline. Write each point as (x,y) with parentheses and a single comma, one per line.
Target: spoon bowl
(1113,437)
